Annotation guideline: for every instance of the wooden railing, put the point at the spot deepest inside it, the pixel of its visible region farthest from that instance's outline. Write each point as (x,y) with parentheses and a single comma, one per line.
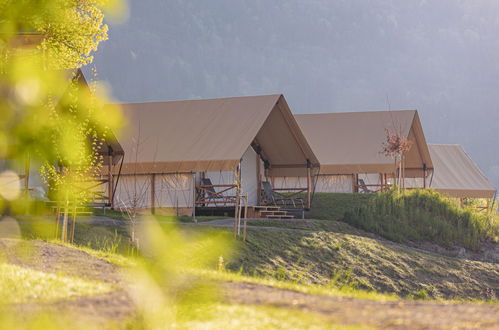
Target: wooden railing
(208,194)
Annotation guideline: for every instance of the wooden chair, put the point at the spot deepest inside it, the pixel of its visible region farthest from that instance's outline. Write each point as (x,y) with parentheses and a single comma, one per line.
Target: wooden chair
(271,197)
(363,187)
(208,195)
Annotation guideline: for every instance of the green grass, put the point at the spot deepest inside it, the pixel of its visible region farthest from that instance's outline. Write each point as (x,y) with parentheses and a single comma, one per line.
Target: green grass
(415,216)
(118,215)
(308,224)
(423,216)
(323,290)
(346,260)
(333,206)
(328,254)
(19,285)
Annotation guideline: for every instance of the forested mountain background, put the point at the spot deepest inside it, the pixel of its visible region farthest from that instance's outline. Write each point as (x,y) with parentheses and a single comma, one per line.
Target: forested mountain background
(440,57)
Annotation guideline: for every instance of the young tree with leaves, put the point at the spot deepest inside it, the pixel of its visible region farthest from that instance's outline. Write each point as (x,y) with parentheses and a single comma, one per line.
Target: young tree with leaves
(45,114)
(396,146)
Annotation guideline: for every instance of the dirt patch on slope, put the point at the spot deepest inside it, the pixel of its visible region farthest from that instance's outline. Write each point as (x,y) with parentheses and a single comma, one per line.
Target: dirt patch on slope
(54,258)
(383,315)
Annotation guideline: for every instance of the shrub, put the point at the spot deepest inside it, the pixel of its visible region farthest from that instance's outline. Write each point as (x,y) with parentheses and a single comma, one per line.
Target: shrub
(422,215)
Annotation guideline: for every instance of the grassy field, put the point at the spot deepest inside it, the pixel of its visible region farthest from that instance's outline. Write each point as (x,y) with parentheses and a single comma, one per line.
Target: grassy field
(330,254)
(21,284)
(61,297)
(118,215)
(281,277)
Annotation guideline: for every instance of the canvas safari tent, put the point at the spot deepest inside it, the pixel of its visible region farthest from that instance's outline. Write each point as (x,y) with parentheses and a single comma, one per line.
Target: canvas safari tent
(456,175)
(171,148)
(349,148)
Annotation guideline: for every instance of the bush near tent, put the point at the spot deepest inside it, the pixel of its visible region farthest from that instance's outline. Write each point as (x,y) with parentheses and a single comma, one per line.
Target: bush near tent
(423,216)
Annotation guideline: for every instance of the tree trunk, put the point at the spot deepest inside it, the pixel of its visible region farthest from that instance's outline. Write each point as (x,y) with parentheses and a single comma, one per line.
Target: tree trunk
(64,232)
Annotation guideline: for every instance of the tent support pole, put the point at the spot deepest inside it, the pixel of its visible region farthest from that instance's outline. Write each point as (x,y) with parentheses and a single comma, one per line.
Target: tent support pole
(424,176)
(153,193)
(194,197)
(258,181)
(238,199)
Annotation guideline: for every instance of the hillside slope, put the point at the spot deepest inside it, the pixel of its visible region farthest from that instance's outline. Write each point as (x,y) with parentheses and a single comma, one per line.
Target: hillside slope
(245,302)
(335,253)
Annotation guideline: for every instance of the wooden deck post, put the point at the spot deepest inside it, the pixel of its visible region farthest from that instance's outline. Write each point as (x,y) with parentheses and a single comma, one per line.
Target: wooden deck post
(355,183)
(194,193)
(245,217)
(424,176)
(153,193)
(309,183)
(237,213)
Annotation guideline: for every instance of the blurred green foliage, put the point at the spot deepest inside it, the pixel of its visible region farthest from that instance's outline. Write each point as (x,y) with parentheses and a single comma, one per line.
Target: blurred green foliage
(50,118)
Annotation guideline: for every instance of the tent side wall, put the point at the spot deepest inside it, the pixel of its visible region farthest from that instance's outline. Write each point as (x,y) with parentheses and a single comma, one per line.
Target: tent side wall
(173,193)
(323,183)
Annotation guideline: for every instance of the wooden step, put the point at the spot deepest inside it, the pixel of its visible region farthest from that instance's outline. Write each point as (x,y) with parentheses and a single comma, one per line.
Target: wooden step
(265,213)
(280,212)
(266,208)
(281,217)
